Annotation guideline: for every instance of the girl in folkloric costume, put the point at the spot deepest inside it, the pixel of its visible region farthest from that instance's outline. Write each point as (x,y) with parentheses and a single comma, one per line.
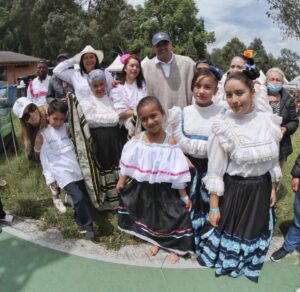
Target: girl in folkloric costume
(242,171)
(154,205)
(191,127)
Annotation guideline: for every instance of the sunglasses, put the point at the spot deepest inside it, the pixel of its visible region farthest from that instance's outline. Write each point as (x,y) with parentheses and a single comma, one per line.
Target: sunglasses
(31,109)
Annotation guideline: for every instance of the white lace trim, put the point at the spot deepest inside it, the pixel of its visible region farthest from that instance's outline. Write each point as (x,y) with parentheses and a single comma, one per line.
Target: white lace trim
(194,147)
(242,152)
(214,184)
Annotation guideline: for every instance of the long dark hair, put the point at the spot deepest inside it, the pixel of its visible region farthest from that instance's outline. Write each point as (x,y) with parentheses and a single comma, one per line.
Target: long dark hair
(140,78)
(82,69)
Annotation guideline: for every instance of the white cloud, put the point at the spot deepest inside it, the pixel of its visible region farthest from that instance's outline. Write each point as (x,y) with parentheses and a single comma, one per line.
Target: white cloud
(245,19)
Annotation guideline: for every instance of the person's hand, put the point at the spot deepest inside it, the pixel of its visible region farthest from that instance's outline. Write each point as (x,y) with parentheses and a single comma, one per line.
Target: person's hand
(191,165)
(295,184)
(214,218)
(120,185)
(115,83)
(283,130)
(54,186)
(273,198)
(189,205)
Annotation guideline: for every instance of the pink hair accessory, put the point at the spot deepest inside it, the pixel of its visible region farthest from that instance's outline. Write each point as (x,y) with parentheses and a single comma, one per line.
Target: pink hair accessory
(125,57)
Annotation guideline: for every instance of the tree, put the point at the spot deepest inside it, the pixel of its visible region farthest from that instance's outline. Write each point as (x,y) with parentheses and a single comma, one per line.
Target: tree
(232,48)
(178,18)
(286,13)
(288,63)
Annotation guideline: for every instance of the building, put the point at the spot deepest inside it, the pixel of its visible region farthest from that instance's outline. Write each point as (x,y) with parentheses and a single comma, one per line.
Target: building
(14,65)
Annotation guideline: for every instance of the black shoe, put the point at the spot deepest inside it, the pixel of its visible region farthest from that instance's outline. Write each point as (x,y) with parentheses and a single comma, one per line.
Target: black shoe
(278,255)
(91,236)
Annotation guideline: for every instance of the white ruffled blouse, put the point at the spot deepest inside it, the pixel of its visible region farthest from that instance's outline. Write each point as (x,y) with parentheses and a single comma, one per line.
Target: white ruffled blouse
(191,127)
(126,97)
(246,146)
(155,163)
(99,112)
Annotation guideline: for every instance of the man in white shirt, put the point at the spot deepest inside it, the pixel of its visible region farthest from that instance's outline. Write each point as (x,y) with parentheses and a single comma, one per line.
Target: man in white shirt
(38,87)
(168,75)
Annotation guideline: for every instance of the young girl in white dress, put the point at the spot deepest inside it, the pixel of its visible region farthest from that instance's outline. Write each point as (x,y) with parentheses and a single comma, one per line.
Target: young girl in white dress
(131,90)
(154,205)
(242,171)
(191,127)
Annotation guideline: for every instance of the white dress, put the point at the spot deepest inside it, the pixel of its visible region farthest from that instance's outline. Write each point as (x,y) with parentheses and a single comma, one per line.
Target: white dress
(150,206)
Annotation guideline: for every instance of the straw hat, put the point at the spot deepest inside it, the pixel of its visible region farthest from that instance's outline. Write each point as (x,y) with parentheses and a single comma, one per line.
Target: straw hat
(90,50)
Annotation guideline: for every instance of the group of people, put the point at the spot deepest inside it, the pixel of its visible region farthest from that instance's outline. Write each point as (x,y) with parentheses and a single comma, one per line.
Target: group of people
(192,155)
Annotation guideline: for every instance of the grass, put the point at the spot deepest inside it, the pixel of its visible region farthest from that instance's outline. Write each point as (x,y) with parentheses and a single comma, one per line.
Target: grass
(26,195)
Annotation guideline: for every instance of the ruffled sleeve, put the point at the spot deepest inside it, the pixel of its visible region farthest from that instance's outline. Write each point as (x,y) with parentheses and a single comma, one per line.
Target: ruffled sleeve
(261,101)
(217,165)
(118,96)
(155,163)
(194,147)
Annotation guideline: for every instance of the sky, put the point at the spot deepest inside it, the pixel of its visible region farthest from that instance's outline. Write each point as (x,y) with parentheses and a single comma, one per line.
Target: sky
(245,19)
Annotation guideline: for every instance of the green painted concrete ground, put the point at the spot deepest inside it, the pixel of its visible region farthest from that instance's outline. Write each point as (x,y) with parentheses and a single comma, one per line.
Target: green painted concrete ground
(28,267)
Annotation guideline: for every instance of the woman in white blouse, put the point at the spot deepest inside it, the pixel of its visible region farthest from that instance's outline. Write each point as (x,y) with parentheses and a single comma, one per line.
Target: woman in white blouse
(242,171)
(88,59)
(131,90)
(107,139)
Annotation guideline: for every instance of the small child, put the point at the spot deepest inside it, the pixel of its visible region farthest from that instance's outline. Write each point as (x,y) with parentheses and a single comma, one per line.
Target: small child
(60,166)
(154,205)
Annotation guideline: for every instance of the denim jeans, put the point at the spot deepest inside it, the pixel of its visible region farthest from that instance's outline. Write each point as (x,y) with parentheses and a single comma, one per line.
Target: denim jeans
(292,239)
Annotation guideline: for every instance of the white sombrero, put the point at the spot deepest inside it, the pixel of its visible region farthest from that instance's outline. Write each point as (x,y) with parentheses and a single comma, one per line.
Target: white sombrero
(90,50)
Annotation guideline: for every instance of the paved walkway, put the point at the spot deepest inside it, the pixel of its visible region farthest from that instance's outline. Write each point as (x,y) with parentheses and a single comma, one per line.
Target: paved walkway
(28,267)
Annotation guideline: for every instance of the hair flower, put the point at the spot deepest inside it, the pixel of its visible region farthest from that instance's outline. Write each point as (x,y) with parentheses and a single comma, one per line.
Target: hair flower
(125,57)
(249,54)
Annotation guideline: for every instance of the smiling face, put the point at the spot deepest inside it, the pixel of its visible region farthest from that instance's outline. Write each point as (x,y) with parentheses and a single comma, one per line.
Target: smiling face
(89,62)
(132,69)
(239,96)
(163,51)
(151,117)
(204,89)
(32,115)
(237,64)
(98,88)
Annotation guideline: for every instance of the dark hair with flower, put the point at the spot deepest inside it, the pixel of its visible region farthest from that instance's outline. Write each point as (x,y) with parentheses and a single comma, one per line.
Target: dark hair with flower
(124,60)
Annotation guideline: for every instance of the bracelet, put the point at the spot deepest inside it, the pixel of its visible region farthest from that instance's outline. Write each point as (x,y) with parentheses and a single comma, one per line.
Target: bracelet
(214,210)
(184,199)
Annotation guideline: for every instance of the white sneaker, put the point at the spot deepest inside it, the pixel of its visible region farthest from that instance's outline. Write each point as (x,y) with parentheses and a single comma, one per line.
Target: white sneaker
(7,219)
(59,205)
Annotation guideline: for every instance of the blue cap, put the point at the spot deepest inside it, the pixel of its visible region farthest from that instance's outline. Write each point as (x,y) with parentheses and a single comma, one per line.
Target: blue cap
(159,37)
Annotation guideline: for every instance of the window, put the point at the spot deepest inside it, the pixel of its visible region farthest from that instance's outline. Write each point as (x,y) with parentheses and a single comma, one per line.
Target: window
(3,73)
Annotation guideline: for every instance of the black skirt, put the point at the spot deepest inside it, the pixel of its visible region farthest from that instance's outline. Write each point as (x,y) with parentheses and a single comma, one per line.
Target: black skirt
(155,213)
(106,148)
(241,241)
